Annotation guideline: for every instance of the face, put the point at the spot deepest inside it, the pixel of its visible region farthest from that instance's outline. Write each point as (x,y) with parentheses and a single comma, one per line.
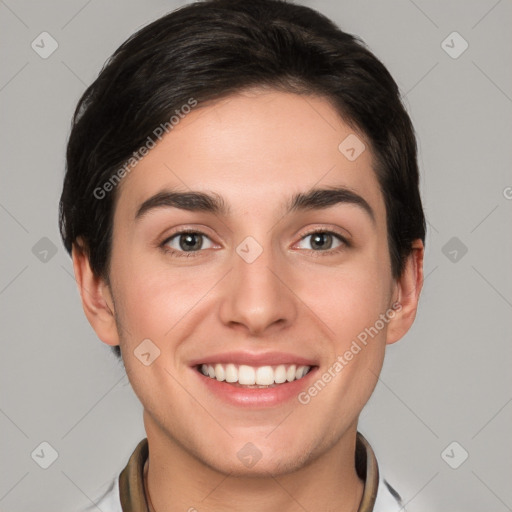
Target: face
(261,282)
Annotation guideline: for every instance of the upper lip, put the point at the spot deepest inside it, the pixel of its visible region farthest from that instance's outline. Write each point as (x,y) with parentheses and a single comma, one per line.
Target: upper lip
(254,359)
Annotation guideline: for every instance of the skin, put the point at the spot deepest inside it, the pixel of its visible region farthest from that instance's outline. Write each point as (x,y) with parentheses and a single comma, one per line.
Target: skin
(255,149)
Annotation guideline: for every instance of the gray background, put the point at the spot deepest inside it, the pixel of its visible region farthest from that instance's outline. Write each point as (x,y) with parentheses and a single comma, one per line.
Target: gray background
(448,380)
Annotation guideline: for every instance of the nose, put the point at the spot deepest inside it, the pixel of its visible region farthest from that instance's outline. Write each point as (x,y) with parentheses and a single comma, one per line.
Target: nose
(258,297)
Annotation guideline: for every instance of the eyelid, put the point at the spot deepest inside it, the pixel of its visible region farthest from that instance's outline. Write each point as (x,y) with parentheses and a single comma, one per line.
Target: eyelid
(183,229)
(324,229)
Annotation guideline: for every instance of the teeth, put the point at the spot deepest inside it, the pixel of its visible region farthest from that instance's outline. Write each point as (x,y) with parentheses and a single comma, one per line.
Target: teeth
(252,376)
(220,374)
(280,374)
(231,373)
(246,375)
(290,373)
(301,371)
(264,376)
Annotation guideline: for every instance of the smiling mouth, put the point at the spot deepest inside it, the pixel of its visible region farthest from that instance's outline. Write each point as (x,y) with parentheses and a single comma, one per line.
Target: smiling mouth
(245,376)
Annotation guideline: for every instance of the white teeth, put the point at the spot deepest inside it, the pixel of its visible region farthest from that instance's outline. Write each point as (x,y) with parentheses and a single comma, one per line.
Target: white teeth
(280,374)
(264,376)
(301,371)
(251,376)
(290,373)
(246,375)
(231,373)
(220,374)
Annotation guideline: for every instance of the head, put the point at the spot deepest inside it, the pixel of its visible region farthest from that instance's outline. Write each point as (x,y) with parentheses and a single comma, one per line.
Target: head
(280,143)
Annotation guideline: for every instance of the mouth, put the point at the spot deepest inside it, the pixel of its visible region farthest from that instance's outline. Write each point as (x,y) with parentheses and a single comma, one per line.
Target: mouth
(254,386)
(254,377)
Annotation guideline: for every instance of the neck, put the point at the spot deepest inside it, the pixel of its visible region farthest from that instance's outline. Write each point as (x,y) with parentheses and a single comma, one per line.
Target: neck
(330,482)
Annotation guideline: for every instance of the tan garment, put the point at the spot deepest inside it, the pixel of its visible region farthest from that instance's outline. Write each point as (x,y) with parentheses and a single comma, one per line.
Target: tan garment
(131,479)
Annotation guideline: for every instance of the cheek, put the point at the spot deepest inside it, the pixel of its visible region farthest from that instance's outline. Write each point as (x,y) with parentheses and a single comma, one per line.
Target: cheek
(350,299)
(153,298)
(153,302)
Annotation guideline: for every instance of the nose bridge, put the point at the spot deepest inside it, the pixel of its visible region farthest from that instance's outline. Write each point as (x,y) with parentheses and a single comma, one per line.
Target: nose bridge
(257,299)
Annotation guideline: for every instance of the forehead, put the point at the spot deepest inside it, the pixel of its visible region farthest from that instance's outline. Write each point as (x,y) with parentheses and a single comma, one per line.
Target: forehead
(254,149)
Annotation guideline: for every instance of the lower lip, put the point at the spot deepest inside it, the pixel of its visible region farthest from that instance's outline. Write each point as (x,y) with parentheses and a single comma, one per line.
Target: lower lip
(257,397)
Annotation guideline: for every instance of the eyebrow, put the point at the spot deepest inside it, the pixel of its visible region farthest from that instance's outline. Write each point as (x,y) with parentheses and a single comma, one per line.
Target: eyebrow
(195,201)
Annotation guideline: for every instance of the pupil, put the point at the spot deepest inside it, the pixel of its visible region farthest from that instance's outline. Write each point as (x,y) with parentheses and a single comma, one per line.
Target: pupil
(319,241)
(187,241)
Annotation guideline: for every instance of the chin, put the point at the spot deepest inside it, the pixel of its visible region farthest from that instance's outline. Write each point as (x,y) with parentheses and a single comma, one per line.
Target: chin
(276,466)
(257,460)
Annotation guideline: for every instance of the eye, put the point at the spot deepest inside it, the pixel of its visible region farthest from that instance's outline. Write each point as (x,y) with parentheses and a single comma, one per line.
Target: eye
(325,241)
(186,242)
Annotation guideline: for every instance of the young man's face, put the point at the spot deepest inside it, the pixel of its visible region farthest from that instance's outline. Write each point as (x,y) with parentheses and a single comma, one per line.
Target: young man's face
(256,287)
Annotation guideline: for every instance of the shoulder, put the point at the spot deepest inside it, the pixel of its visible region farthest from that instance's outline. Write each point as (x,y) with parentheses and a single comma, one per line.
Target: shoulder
(107,499)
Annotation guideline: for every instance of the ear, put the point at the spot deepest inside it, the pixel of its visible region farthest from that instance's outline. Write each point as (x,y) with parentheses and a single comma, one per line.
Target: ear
(407,294)
(96,297)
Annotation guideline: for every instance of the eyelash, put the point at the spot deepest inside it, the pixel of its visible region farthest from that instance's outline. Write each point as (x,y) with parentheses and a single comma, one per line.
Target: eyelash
(188,254)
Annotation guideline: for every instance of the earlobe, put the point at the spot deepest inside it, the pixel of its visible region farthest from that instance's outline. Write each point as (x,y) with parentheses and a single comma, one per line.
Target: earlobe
(409,286)
(96,297)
